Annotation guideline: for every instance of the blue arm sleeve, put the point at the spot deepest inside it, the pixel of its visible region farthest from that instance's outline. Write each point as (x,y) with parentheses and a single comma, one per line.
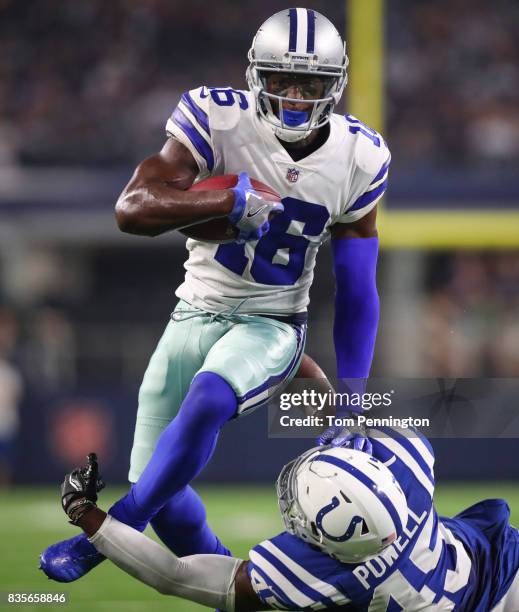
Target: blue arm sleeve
(356,305)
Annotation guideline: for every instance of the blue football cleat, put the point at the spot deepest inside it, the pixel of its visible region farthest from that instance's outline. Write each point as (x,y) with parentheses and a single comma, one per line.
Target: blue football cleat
(71,559)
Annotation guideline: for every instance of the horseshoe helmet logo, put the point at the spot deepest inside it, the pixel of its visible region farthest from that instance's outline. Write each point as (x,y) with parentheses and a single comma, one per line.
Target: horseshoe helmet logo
(350,530)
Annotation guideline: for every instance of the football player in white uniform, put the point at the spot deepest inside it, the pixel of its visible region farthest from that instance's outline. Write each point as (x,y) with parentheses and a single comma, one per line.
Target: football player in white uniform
(237,335)
(361,534)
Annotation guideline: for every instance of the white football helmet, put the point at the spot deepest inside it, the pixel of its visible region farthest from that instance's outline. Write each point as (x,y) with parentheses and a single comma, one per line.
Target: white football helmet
(297,41)
(345,502)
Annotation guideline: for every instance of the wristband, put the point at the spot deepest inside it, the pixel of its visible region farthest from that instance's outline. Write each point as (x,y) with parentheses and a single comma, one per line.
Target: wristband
(78,508)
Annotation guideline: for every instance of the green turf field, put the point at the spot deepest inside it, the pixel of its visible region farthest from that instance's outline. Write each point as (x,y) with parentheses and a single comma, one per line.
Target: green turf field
(32,518)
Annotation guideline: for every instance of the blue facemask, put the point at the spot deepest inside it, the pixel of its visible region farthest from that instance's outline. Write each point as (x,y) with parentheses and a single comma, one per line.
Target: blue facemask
(294,118)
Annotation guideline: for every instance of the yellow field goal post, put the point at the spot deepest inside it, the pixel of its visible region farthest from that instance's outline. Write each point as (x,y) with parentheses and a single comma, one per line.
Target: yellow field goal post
(428,228)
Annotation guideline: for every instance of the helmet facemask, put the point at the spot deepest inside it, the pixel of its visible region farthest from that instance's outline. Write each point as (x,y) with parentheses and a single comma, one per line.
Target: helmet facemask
(293,516)
(288,126)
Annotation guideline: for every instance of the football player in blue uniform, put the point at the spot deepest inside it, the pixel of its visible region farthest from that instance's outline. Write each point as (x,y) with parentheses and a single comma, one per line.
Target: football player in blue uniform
(238,333)
(362,534)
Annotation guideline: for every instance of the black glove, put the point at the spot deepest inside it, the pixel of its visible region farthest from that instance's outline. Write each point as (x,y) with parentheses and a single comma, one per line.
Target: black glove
(79,489)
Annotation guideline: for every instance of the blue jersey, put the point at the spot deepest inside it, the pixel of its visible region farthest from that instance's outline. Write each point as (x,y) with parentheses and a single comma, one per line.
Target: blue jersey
(465,563)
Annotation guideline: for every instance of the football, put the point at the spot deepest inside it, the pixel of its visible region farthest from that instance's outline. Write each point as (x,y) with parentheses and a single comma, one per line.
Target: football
(221,230)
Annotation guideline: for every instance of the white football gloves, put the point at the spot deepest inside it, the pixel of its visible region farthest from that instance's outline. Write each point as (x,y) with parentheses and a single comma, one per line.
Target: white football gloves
(250,213)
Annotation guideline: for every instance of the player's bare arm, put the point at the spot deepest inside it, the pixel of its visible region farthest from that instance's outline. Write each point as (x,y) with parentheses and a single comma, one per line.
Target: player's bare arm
(246,599)
(156,201)
(363,228)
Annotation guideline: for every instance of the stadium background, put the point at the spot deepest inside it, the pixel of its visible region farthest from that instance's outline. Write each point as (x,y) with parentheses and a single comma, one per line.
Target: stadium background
(85,90)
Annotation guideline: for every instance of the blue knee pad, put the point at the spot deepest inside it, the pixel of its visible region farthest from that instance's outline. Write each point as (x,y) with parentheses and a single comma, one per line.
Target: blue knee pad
(183,449)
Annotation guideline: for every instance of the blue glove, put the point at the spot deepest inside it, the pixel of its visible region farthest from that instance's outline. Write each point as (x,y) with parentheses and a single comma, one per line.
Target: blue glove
(354,438)
(250,213)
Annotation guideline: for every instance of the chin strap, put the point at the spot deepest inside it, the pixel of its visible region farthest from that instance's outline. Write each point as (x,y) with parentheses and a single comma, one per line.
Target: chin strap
(287,135)
(282,135)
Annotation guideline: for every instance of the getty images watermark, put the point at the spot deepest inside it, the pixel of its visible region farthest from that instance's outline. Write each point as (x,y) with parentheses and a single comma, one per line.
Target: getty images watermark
(438,408)
(323,409)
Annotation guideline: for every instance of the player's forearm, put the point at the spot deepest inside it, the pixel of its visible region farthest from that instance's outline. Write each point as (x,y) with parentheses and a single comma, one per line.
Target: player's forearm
(356,305)
(153,208)
(204,579)
(91,521)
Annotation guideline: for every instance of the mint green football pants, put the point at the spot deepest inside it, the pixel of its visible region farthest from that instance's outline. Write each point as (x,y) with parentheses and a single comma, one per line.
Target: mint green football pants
(255,355)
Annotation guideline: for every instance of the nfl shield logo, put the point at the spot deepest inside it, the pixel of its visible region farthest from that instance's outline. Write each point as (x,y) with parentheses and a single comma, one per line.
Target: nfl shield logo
(292,174)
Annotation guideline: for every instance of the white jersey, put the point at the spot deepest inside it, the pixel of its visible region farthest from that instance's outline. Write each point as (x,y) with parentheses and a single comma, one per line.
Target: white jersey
(340,182)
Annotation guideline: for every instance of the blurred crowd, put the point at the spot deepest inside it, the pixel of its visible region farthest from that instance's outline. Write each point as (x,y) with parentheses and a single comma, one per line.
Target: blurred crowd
(470,316)
(37,356)
(11,389)
(466,323)
(453,82)
(93,82)
(64,357)
(90,84)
